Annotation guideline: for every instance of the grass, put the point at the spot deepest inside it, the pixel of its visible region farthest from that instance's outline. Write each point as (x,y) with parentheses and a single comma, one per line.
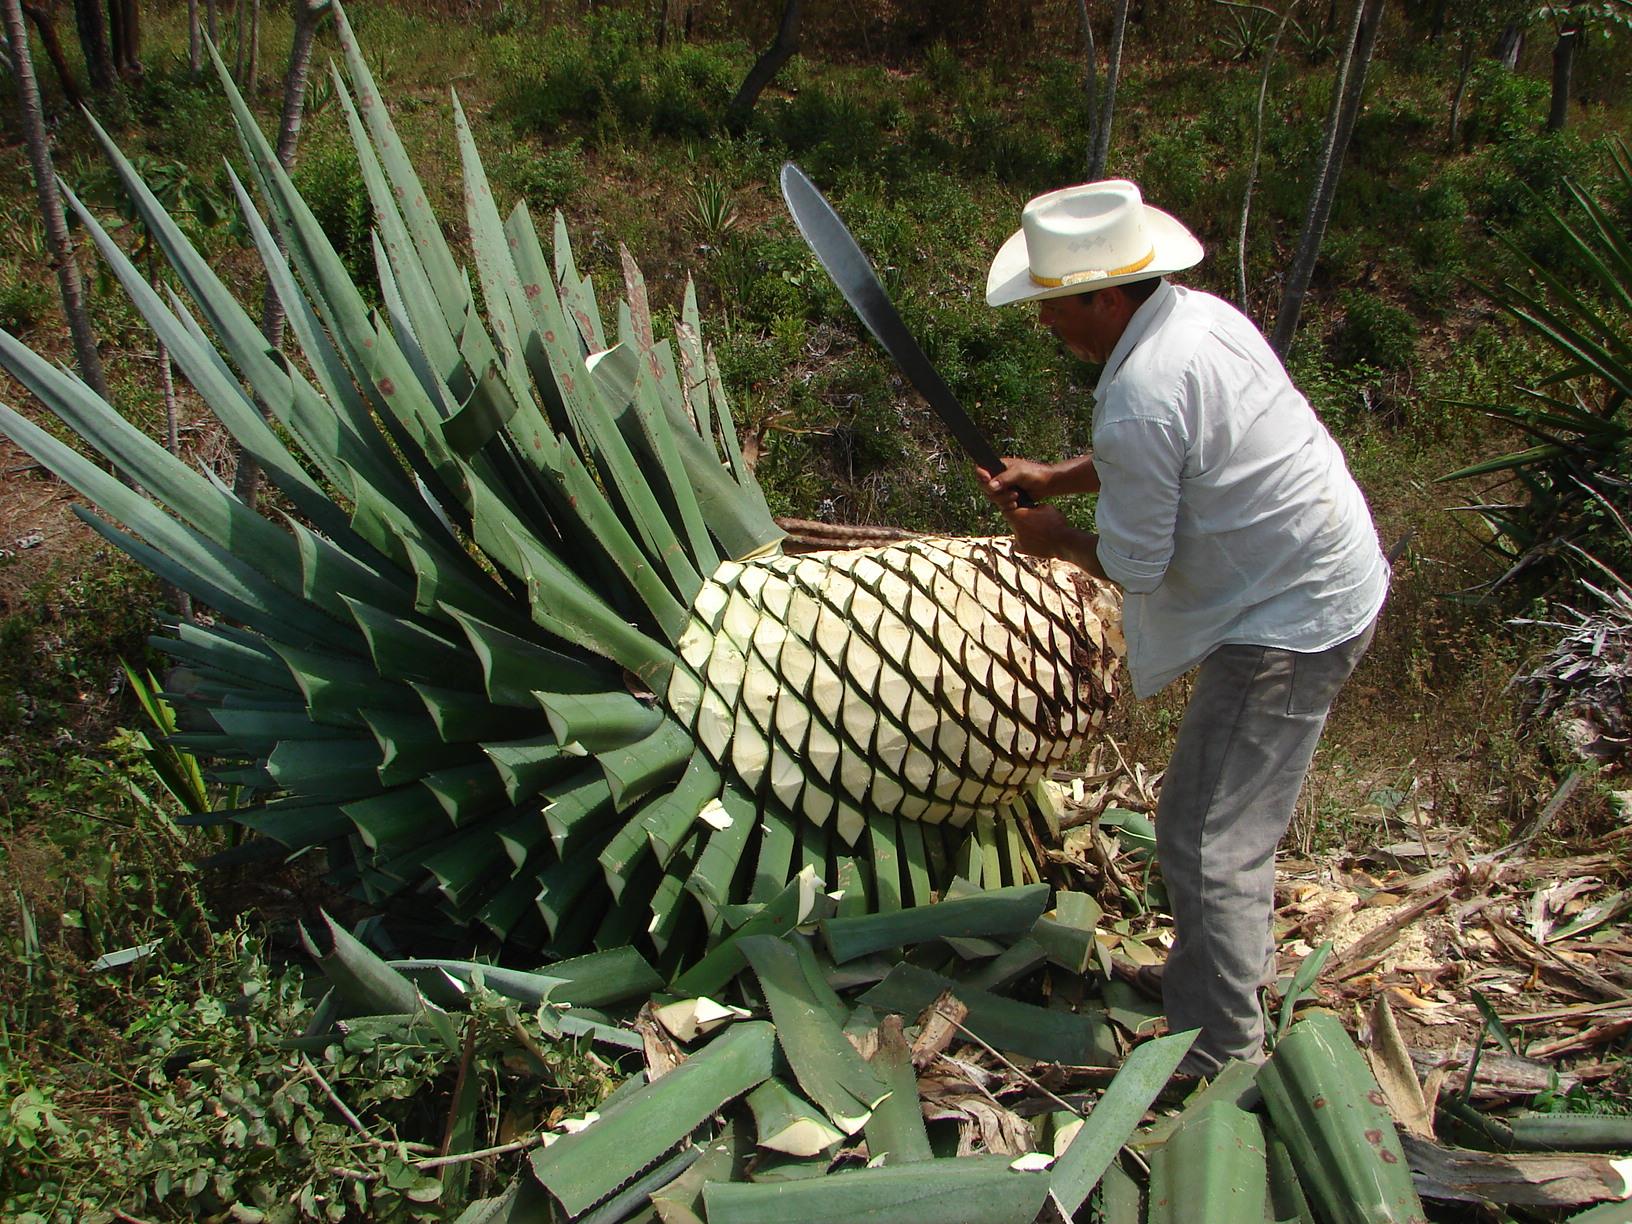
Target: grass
(928,147)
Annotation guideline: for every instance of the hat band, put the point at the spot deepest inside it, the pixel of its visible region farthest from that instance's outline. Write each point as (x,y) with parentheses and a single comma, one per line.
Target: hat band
(1055,282)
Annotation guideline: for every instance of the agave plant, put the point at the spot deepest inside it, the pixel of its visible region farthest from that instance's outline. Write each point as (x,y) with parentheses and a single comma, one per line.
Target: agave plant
(1581,459)
(525,642)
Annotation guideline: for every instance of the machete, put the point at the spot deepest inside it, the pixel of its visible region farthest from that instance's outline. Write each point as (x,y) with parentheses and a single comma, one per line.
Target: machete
(838,253)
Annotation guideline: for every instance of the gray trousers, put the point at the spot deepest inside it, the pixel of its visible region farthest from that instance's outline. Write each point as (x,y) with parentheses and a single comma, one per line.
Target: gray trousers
(1244,747)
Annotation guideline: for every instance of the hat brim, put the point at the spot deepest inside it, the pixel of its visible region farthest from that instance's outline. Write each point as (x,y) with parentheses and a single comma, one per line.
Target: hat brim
(1010,280)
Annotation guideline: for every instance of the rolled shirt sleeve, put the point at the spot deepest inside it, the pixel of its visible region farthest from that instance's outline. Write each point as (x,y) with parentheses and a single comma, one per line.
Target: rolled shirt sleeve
(1140,461)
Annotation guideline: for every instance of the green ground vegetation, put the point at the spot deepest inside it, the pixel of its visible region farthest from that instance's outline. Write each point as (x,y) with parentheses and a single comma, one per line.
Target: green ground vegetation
(928,129)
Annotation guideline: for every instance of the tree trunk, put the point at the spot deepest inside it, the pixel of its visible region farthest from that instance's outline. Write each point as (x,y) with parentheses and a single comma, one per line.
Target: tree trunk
(195,40)
(1252,167)
(307,15)
(125,29)
(1347,94)
(252,66)
(92,25)
(1113,66)
(45,21)
(45,184)
(1508,45)
(210,23)
(765,67)
(1464,71)
(1558,113)
(1090,84)
(238,41)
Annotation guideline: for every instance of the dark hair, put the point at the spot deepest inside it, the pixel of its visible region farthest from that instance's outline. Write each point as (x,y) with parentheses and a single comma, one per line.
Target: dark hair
(1140,290)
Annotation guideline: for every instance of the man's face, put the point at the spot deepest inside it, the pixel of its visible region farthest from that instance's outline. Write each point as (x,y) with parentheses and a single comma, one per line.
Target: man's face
(1089,324)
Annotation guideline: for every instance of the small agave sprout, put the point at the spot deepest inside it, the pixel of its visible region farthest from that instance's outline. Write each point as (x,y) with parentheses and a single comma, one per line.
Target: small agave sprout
(527,645)
(713,213)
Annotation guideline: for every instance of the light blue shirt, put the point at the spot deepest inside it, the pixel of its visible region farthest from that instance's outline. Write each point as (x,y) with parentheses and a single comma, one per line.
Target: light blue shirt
(1226,511)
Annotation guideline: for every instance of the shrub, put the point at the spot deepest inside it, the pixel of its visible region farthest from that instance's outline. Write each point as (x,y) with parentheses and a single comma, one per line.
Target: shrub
(545,179)
(689,90)
(830,131)
(1175,168)
(24,299)
(1373,332)
(1503,105)
(328,178)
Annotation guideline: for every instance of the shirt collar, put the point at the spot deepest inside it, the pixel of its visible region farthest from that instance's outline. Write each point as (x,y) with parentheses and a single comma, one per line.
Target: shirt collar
(1139,325)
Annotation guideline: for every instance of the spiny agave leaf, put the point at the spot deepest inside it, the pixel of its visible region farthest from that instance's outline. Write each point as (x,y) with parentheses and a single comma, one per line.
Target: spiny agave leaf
(722,1159)
(1287,1204)
(335,429)
(968,1190)
(895,1132)
(217,517)
(365,983)
(1120,1199)
(1076,1039)
(1008,967)
(728,431)
(693,365)
(786,1122)
(1108,1126)
(444,272)
(1572,1132)
(1001,911)
(802,1005)
(1068,936)
(1326,1105)
(200,567)
(1236,1083)
(799,900)
(1213,1168)
(583,1168)
(266,371)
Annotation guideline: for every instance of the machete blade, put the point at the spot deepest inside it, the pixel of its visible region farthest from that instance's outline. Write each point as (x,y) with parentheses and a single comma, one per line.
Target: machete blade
(844,261)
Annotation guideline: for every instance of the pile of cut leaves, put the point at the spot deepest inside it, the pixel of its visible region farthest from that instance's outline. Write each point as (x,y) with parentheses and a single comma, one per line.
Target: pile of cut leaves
(827,1066)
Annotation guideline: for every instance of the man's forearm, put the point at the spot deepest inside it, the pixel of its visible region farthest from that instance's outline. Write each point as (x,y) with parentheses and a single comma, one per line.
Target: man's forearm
(1081,549)
(1074,476)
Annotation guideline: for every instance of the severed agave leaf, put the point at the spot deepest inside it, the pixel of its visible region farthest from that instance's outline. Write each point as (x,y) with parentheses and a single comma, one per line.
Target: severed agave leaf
(526,644)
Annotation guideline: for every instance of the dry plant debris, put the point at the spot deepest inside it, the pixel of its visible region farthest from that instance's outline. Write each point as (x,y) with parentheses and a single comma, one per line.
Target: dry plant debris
(976,1059)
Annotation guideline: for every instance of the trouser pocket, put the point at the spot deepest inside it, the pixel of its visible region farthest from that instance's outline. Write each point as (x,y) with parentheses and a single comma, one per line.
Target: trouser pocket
(1317,677)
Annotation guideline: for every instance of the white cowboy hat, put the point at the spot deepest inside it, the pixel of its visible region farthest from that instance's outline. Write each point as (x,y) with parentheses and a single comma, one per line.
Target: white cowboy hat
(1092,236)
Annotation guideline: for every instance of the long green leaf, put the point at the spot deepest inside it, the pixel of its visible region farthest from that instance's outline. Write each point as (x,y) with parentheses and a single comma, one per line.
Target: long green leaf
(825,1063)
(970,1190)
(1000,911)
(1112,1121)
(1021,1028)
(583,1168)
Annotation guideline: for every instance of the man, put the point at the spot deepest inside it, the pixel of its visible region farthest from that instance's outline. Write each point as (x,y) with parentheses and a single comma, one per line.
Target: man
(1228,517)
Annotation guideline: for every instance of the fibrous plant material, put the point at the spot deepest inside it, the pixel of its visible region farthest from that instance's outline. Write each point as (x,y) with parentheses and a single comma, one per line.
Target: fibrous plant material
(750,1120)
(525,641)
